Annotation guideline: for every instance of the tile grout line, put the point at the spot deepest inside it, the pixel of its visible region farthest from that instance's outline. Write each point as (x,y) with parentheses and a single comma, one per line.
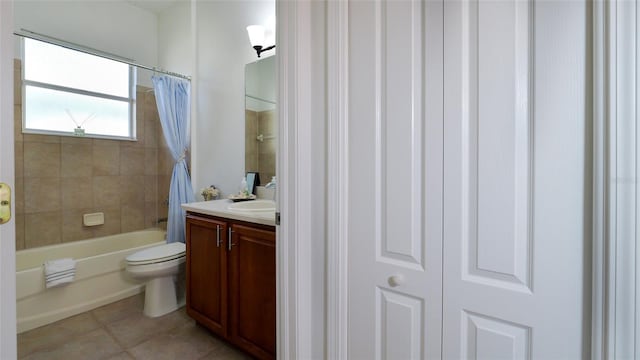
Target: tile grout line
(108,331)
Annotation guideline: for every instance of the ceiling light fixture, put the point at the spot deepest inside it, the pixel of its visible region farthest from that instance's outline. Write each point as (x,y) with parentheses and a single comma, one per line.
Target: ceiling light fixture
(256,36)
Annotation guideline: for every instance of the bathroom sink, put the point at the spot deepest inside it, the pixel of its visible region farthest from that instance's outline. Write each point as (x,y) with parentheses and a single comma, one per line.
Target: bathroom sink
(254,206)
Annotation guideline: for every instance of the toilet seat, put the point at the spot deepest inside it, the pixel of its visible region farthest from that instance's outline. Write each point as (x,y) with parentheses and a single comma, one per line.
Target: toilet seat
(157,254)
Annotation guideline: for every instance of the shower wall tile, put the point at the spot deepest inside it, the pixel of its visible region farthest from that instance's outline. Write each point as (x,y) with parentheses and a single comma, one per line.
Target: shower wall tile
(106,160)
(151,127)
(20,232)
(165,162)
(163,191)
(140,124)
(17,123)
(151,161)
(150,214)
(19,195)
(105,142)
(150,188)
(18,151)
(132,189)
(111,224)
(132,217)
(250,141)
(51,139)
(42,229)
(140,113)
(268,147)
(266,150)
(41,159)
(106,192)
(266,122)
(41,194)
(76,140)
(17,84)
(77,160)
(77,193)
(131,160)
(72,225)
(267,166)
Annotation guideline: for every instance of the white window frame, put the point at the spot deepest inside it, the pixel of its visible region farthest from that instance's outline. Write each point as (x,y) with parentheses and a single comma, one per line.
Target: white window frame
(131,99)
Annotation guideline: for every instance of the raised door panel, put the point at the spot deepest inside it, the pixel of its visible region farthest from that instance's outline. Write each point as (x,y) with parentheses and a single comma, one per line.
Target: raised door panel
(206,273)
(395,172)
(514,172)
(253,290)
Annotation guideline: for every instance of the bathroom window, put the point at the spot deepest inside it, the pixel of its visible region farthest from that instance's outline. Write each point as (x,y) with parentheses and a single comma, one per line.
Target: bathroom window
(69,92)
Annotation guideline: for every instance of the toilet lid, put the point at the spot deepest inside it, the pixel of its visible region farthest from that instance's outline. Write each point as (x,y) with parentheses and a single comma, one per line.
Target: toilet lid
(158,253)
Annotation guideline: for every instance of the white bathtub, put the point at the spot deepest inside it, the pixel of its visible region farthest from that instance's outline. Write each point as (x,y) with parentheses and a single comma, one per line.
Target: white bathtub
(100,277)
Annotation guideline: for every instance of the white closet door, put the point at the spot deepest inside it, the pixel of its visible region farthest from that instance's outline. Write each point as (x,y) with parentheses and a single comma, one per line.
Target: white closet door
(395,179)
(516,251)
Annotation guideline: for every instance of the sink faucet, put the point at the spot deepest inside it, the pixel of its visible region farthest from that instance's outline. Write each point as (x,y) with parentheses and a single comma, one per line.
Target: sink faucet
(272,185)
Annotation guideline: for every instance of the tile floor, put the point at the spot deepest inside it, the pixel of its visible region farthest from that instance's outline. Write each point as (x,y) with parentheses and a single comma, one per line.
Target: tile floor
(121,331)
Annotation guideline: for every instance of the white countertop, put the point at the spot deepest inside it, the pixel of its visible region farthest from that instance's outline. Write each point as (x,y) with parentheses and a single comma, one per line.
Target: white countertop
(220,208)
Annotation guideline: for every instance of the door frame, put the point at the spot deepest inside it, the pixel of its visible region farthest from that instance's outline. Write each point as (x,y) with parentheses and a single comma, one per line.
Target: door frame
(294,269)
(615,331)
(8,345)
(338,178)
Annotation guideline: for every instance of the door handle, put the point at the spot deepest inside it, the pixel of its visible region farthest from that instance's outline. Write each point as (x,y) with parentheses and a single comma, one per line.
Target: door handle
(5,203)
(396,280)
(217,235)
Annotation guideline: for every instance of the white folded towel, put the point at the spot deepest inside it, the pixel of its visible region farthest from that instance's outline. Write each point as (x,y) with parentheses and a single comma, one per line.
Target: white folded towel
(63,281)
(59,272)
(59,265)
(60,275)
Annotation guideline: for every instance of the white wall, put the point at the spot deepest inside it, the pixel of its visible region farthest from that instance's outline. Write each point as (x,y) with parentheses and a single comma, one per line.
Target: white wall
(112,26)
(175,45)
(223,49)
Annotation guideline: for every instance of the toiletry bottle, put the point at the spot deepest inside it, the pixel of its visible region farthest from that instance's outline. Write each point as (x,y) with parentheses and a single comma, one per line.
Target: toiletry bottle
(243,186)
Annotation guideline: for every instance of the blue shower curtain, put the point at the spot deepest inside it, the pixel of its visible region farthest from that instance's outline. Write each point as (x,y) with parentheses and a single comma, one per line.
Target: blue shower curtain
(172,99)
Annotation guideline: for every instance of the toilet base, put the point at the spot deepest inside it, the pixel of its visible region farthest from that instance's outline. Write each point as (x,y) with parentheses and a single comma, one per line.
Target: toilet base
(160,296)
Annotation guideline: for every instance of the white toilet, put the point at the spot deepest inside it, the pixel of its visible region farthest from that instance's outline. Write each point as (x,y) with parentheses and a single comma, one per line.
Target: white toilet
(158,266)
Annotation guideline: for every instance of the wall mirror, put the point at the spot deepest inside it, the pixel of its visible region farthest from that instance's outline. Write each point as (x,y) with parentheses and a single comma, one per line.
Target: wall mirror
(260,118)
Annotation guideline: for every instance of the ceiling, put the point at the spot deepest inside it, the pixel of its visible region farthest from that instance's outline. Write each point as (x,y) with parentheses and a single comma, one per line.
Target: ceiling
(155,6)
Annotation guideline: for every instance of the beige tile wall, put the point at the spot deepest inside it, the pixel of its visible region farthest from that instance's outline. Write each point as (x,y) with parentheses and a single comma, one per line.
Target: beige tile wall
(60,178)
(267,148)
(250,143)
(260,156)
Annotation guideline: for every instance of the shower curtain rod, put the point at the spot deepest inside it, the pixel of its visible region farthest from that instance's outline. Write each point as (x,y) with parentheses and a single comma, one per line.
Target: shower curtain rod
(51,40)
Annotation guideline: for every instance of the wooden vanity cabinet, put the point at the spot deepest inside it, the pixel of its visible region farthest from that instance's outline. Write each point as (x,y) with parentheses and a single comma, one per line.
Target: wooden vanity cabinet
(207,273)
(231,281)
(252,290)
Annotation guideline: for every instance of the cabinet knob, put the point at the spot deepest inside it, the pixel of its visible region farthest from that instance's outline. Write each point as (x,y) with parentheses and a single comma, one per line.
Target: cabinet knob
(396,280)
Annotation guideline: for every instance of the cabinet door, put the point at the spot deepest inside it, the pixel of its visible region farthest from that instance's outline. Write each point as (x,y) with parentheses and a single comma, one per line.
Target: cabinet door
(253,290)
(206,273)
